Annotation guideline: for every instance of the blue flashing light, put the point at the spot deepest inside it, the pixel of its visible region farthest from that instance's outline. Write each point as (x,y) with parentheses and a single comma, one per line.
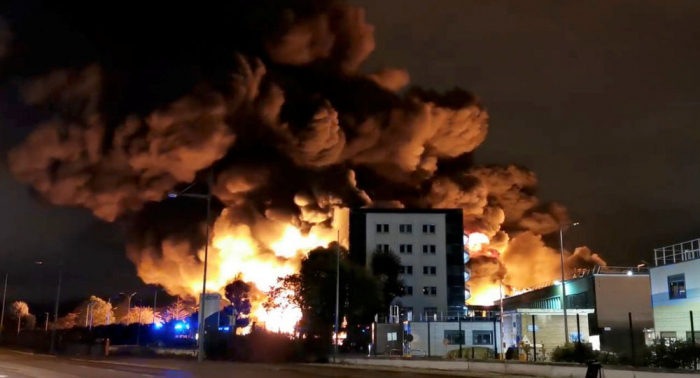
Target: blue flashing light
(227,328)
(187,325)
(158,325)
(178,326)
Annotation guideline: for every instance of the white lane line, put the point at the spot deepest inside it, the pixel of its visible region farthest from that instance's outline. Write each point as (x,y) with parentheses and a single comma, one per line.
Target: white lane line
(20,352)
(127,364)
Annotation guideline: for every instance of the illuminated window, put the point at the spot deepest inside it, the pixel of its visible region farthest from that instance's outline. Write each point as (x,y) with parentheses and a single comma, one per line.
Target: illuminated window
(676,286)
(454,337)
(482,337)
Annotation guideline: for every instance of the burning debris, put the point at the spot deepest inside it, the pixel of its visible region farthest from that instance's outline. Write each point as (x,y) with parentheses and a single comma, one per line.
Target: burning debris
(270,97)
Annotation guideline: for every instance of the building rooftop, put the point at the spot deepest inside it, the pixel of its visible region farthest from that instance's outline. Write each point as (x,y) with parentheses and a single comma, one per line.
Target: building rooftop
(685,251)
(405,210)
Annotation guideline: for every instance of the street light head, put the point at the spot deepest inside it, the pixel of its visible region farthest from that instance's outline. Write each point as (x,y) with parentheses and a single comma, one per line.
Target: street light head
(575,224)
(172,195)
(38,262)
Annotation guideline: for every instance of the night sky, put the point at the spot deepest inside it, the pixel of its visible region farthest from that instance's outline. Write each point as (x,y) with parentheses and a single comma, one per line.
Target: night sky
(599,98)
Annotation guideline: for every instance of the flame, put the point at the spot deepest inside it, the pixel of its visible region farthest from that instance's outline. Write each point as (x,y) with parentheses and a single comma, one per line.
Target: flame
(283,319)
(475,241)
(258,254)
(486,295)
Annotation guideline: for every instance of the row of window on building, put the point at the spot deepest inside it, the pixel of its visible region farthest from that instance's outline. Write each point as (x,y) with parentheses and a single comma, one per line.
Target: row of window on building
(427,291)
(428,270)
(428,249)
(457,337)
(673,336)
(406,228)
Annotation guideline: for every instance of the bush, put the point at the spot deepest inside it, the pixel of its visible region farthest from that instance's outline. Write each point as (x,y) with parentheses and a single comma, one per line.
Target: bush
(607,358)
(257,346)
(672,354)
(573,352)
(480,353)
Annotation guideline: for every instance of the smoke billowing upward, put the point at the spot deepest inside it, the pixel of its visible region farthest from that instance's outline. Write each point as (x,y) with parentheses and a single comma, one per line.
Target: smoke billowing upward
(270,97)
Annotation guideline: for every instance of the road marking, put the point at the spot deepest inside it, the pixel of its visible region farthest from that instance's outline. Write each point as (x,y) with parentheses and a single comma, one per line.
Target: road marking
(127,364)
(20,352)
(3,376)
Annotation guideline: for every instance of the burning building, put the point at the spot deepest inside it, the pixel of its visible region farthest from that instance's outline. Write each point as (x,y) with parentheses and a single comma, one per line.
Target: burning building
(269,97)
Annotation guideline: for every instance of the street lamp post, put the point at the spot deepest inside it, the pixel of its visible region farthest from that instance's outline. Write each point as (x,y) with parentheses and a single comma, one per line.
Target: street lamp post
(563,279)
(46,326)
(4,294)
(128,305)
(55,313)
(337,295)
(155,301)
(138,327)
(58,300)
(200,328)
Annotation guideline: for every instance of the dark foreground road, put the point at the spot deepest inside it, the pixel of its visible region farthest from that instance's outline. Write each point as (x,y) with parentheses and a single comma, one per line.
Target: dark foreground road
(21,365)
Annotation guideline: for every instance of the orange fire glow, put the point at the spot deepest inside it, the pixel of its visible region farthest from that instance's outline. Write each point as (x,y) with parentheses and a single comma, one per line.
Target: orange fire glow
(486,295)
(475,241)
(258,254)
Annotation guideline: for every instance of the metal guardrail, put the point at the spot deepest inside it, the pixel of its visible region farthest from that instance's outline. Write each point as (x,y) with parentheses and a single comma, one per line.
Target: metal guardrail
(685,251)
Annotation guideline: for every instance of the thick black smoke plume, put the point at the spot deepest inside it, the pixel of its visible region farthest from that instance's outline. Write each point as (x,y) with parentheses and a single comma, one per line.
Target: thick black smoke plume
(141,99)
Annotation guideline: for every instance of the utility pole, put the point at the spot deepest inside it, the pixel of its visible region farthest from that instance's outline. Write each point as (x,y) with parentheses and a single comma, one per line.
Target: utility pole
(46,327)
(337,295)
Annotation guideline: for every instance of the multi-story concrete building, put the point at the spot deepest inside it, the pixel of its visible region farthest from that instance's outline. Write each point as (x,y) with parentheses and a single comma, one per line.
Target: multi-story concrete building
(675,291)
(430,246)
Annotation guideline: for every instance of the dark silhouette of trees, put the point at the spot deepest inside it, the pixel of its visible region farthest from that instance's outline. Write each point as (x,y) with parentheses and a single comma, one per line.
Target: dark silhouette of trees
(238,293)
(362,294)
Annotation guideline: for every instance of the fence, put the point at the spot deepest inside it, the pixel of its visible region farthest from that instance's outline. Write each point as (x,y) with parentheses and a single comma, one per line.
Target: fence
(545,335)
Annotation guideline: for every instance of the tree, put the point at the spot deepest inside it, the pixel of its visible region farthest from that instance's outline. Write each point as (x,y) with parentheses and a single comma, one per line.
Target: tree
(179,310)
(19,310)
(238,293)
(94,311)
(68,321)
(386,266)
(313,290)
(139,314)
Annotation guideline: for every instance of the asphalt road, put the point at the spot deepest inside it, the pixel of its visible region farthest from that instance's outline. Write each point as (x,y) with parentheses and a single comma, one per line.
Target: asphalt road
(23,365)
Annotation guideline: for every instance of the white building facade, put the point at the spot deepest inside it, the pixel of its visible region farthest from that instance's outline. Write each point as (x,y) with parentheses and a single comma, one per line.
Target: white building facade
(430,246)
(675,291)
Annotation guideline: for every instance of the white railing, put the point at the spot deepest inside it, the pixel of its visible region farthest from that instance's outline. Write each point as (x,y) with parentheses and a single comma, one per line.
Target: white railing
(689,250)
